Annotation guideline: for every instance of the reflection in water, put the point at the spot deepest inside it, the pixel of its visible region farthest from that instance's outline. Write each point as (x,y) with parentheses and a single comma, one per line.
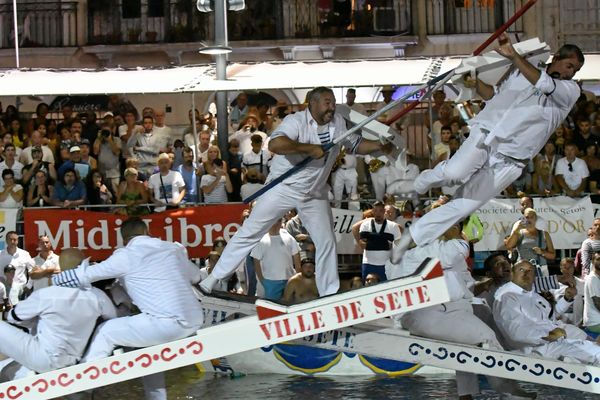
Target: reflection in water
(188,383)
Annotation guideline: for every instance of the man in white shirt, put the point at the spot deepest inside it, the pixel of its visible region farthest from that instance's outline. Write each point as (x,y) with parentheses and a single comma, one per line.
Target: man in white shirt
(158,277)
(201,147)
(517,121)
(10,162)
(18,258)
(238,111)
(46,265)
(257,158)
(276,259)
(248,128)
(167,187)
(345,177)
(159,124)
(591,308)
(572,172)
(65,319)
(376,237)
(147,145)
(453,321)
(523,318)
(300,135)
(36,141)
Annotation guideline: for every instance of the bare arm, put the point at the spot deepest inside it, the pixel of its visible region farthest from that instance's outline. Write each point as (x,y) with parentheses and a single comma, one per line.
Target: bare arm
(296,258)
(289,292)
(258,269)
(284,145)
(531,73)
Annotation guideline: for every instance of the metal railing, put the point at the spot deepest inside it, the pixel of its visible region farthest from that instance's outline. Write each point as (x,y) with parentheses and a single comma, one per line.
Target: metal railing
(471,16)
(40,24)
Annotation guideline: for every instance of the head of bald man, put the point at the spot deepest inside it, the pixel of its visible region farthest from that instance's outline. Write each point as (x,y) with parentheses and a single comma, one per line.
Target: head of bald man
(70,258)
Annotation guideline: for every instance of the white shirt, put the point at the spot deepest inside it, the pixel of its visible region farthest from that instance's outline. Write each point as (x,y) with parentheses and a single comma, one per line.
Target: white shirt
(521,116)
(349,162)
(51,262)
(243,136)
(523,317)
(22,262)
(173,184)
(26,157)
(10,202)
(392,231)
(312,179)
(252,160)
(156,274)
(452,255)
(218,194)
(591,315)
(572,178)
(275,253)
(66,317)
(248,189)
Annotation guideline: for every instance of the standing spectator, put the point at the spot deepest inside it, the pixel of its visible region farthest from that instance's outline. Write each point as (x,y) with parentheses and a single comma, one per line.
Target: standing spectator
(549,155)
(543,182)
(38,165)
(350,102)
(295,228)
(190,173)
(571,172)
(257,158)
(591,308)
(254,182)
(69,191)
(147,146)
(67,114)
(583,135)
(20,260)
(589,247)
(215,183)
(276,259)
(75,163)
(591,158)
(132,193)
(167,188)
(159,123)
(18,134)
(11,163)
(190,129)
(531,243)
(6,139)
(248,128)
(203,143)
(36,141)
(11,194)
(40,192)
(238,111)
(46,265)
(108,148)
(235,170)
(375,238)
(86,158)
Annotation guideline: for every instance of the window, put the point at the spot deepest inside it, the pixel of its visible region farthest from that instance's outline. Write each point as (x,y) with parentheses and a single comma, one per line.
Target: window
(131,8)
(156,8)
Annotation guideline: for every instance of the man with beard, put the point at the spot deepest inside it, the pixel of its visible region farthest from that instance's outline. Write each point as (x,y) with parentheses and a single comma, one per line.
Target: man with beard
(300,135)
(302,287)
(520,116)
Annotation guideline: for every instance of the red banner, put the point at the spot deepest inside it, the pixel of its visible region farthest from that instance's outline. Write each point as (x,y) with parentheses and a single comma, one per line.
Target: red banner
(98,233)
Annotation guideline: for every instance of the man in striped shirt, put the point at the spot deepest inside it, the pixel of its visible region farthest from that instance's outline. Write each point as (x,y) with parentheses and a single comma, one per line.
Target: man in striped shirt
(300,135)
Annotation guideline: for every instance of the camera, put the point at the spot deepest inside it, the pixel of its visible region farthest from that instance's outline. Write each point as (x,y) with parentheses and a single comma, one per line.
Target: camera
(218,162)
(105,133)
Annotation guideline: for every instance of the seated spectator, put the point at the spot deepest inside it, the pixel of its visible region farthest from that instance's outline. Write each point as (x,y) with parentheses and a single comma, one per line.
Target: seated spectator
(132,193)
(133,162)
(524,318)
(30,170)
(543,182)
(376,236)
(531,243)
(302,287)
(19,138)
(498,272)
(6,139)
(69,191)
(40,192)
(572,172)
(570,288)
(215,183)
(254,182)
(590,246)
(97,192)
(75,163)
(167,188)
(583,135)
(11,194)
(591,308)
(9,162)
(276,259)
(190,172)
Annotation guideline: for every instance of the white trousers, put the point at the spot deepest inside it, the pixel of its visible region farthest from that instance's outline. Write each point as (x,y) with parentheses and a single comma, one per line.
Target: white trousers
(483,174)
(455,322)
(27,350)
(345,178)
(378,179)
(272,206)
(584,351)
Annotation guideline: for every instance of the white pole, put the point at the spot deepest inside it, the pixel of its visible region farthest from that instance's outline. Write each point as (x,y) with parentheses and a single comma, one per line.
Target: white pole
(16,22)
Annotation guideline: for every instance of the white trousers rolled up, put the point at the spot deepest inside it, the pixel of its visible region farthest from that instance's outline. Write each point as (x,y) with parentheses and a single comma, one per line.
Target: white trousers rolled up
(455,322)
(483,174)
(272,206)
